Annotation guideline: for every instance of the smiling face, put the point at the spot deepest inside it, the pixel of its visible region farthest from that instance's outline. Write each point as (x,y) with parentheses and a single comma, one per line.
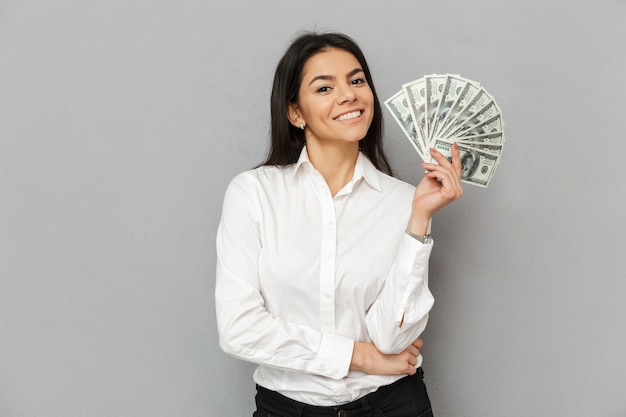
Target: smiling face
(335,102)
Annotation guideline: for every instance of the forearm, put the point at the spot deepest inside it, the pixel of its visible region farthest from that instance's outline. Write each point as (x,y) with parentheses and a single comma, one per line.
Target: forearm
(400,313)
(248,331)
(368,359)
(419,224)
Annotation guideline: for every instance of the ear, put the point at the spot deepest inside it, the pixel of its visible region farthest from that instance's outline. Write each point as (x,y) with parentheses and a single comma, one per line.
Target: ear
(294,115)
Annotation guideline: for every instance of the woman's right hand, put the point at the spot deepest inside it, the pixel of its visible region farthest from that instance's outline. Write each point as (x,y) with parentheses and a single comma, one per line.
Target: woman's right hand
(367,358)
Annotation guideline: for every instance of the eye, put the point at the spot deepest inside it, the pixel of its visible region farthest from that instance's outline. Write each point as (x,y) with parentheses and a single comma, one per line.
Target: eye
(324,89)
(358,81)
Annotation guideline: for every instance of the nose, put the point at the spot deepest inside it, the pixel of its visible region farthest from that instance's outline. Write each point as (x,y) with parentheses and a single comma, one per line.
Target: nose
(345,94)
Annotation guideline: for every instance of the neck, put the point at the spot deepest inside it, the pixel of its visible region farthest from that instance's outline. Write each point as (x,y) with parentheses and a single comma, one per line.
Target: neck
(335,161)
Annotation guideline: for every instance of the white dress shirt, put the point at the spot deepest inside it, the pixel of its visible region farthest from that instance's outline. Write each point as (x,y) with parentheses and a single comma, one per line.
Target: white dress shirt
(301,276)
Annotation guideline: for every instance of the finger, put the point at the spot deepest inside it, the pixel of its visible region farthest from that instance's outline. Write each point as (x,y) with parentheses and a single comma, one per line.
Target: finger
(452,164)
(413,350)
(446,172)
(418,343)
(444,166)
(429,168)
(440,158)
(456,159)
(440,174)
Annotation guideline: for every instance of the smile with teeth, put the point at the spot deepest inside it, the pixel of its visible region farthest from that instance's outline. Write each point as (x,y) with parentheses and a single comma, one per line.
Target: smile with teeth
(348,116)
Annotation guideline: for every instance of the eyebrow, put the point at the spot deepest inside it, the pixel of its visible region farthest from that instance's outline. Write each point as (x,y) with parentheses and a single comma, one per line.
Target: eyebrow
(332,77)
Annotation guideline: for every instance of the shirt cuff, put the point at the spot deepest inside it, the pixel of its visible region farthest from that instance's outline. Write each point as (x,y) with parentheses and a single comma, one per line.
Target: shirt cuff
(414,250)
(412,263)
(335,355)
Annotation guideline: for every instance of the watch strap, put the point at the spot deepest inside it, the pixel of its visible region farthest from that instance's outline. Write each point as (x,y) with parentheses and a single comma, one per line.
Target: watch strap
(424,239)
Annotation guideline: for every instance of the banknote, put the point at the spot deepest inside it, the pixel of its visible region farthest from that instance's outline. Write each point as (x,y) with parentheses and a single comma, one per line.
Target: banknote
(452,89)
(485,147)
(465,115)
(465,97)
(434,92)
(490,110)
(399,108)
(492,125)
(477,166)
(489,147)
(436,111)
(496,138)
(415,92)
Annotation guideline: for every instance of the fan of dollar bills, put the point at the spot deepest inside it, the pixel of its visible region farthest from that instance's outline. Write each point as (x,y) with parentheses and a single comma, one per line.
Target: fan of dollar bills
(437,110)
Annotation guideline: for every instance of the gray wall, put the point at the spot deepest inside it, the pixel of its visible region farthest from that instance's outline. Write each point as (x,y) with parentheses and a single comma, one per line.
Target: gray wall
(122,122)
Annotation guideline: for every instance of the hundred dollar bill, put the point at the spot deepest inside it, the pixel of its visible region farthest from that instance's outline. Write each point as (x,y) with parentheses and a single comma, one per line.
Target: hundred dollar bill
(415,92)
(434,93)
(490,110)
(492,125)
(478,102)
(496,138)
(451,91)
(399,107)
(491,148)
(477,167)
(467,94)
(485,147)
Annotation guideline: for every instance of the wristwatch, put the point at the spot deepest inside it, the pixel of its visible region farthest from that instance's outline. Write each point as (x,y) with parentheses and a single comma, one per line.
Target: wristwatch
(424,239)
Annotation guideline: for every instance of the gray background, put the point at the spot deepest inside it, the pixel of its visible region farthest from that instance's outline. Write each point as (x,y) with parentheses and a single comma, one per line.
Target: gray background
(122,122)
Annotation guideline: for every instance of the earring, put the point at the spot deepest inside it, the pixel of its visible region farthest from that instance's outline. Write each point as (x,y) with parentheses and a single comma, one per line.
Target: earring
(301,125)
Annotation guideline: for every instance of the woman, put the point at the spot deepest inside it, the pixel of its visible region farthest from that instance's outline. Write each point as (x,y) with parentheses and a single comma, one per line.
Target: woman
(322,255)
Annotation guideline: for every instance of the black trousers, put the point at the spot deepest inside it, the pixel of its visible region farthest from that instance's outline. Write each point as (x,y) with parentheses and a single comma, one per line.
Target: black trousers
(406,397)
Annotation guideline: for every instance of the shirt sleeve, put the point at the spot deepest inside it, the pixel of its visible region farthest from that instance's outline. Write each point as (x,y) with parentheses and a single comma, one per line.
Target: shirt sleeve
(246,329)
(400,313)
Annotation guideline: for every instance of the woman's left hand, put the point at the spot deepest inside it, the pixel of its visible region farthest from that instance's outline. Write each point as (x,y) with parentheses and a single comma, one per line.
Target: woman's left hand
(440,186)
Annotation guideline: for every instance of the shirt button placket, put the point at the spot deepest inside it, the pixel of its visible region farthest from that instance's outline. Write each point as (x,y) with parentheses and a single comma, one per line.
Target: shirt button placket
(327,262)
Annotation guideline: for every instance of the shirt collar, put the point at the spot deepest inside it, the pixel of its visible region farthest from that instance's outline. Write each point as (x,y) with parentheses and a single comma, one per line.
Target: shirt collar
(302,160)
(363,169)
